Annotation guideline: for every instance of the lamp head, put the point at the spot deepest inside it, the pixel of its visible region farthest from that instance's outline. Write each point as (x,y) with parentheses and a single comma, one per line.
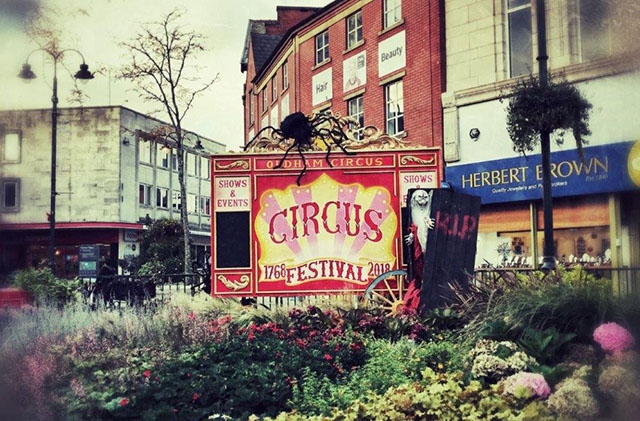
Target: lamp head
(84,73)
(26,73)
(198,146)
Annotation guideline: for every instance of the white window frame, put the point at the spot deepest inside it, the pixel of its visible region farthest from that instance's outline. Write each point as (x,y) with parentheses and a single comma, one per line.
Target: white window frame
(11,142)
(514,9)
(205,205)
(163,157)
(145,151)
(394,99)
(176,200)
(322,47)
(354,29)
(285,75)
(144,194)
(192,162)
(274,88)
(162,198)
(205,169)
(595,34)
(355,109)
(391,12)
(4,189)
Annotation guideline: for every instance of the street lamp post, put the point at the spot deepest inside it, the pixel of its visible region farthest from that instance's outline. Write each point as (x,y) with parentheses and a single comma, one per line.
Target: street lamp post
(548,258)
(27,74)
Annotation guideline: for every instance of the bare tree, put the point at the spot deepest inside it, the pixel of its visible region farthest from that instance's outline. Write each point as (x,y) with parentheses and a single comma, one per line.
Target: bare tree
(163,67)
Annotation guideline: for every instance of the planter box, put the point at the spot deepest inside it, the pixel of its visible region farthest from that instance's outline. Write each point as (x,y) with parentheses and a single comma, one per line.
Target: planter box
(14,298)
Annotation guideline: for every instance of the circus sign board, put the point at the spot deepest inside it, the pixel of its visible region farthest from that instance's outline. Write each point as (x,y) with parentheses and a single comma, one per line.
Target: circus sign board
(335,232)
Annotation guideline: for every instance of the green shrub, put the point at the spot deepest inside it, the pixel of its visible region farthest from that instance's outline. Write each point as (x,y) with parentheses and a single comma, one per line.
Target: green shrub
(389,364)
(45,287)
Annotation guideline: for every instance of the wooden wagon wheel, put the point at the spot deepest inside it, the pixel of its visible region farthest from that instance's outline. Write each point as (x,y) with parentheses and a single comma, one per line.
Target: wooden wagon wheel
(387,291)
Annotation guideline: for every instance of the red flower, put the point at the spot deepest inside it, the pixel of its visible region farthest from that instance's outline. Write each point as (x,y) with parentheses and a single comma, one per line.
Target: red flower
(196,396)
(147,373)
(328,357)
(192,315)
(124,402)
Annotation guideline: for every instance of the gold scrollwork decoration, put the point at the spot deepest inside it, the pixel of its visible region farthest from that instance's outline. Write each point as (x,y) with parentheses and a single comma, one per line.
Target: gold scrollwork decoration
(237,165)
(234,285)
(410,159)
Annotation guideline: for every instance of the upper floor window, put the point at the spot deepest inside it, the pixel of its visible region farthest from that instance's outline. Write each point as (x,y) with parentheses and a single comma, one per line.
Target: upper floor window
(144,151)
(355,109)
(192,203)
(162,157)
(392,12)
(10,200)
(174,160)
(394,107)
(192,164)
(520,37)
(252,114)
(265,101)
(144,194)
(274,88)
(11,147)
(162,198)
(285,75)
(205,170)
(176,200)
(322,47)
(205,205)
(595,35)
(354,29)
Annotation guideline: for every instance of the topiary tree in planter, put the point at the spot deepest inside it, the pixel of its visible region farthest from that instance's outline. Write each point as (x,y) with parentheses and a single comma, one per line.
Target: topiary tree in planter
(556,107)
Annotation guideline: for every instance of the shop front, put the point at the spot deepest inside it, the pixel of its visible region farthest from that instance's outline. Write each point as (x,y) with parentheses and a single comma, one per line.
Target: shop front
(595,202)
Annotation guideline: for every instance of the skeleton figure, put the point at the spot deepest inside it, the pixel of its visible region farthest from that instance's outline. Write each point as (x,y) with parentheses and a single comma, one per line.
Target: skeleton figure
(421,223)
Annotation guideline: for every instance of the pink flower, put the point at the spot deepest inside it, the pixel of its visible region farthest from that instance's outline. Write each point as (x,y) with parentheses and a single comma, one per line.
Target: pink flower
(613,338)
(533,382)
(124,402)
(328,357)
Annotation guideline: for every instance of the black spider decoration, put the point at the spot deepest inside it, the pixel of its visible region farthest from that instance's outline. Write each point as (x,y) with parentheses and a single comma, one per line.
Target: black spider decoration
(303,130)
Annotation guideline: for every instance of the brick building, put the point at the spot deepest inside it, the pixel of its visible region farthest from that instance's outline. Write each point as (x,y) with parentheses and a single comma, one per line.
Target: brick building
(379,62)
(112,176)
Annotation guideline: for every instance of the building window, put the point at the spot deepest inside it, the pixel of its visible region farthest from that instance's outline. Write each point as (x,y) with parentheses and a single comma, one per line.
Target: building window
(205,170)
(285,75)
(144,152)
(162,157)
(252,114)
(322,47)
(355,110)
(265,101)
(144,194)
(274,88)
(595,35)
(174,160)
(354,29)
(10,195)
(392,12)
(192,203)
(394,107)
(162,198)
(176,200)
(11,147)
(205,205)
(520,37)
(192,164)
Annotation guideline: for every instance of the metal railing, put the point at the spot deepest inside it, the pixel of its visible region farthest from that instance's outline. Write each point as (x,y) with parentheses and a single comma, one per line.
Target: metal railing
(625,281)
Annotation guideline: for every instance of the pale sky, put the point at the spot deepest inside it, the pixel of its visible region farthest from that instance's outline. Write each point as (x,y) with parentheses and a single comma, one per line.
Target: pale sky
(95,27)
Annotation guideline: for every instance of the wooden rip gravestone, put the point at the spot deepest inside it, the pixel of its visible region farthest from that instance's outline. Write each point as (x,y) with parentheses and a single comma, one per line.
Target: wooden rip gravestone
(451,245)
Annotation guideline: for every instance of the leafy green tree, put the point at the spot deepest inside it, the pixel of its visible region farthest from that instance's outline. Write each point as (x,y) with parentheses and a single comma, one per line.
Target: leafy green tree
(161,248)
